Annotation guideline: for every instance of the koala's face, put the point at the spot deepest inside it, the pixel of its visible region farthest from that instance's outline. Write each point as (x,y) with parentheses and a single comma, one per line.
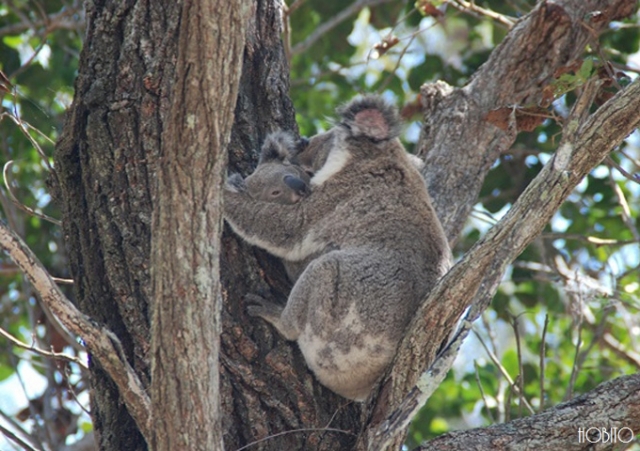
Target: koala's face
(282,183)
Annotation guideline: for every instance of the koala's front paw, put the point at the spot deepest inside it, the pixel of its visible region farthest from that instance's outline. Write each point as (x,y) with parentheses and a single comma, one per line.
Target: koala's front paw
(263,308)
(235,183)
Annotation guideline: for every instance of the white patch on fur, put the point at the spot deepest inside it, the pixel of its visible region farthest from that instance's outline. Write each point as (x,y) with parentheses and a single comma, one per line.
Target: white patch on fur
(302,250)
(297,252)
(416,162)
(336,160)
(356,370)
(352,321)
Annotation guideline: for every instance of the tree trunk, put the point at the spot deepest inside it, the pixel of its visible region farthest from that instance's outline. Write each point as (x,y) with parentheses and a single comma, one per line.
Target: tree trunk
(187,224)
(108,161)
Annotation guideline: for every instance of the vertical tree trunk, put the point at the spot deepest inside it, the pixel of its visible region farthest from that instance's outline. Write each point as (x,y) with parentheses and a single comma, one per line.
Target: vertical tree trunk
(267,387)
(187,224)
(106,161)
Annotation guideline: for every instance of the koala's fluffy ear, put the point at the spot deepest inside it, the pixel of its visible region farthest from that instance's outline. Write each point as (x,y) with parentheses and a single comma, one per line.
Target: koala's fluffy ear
(371,117)
(277,147)
(236,183)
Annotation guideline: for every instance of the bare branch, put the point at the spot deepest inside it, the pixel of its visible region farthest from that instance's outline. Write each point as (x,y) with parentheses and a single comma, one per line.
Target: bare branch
(17,203)
(632,177)
(613,404)
(42,352)
(18,440)
(63,20)
(551,36)
(543,345)
(477,11)
(334,22)
(518,389)
(18,434)
(103,344)
(474,280)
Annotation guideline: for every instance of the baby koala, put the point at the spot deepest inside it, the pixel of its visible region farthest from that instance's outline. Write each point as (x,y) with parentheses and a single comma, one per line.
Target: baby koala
(275,179)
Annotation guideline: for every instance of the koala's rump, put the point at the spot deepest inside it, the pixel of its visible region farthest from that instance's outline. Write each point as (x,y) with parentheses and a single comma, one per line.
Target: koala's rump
(349,372)
(355,315)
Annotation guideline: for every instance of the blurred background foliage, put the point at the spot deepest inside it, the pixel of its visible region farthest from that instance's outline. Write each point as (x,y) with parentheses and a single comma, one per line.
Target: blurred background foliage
(566,317)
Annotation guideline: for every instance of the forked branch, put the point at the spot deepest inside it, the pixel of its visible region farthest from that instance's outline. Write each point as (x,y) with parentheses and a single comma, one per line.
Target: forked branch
(474,280)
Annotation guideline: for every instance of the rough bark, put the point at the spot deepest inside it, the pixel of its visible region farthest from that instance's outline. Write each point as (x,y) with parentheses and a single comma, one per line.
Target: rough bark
(267,389)
(613,404)
(105,162)
(187,225)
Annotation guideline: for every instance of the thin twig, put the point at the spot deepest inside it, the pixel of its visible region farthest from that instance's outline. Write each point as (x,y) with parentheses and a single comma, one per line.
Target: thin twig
(476,10)
(19,441)
(516,332)
(334,22)
(389,77)
(28,62)
(101,342)
(295,5)
(63,20)
(20,205)
(588,239)
(42,352)
(574,367)
(25,436)
(503,370)
(543,346)
(632,177)
(630,158)
(21,124)
(484,398)
(626,211)
(293,431)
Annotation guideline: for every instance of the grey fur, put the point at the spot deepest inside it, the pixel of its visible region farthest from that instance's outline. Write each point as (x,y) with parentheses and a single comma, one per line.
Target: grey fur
(378,244)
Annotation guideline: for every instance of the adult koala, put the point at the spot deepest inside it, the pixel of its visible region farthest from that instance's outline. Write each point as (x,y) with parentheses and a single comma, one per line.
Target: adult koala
(378,244)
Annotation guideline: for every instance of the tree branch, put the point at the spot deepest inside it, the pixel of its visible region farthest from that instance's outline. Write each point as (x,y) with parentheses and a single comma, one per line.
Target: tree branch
(474,280)
(458,143)
(334,22)
(613,404)
(70,17)
(102,344)
(42,352)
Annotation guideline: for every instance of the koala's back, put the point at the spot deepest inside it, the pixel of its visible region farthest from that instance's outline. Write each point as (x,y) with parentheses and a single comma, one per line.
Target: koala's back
(384,204)
(385,261)
(375,244)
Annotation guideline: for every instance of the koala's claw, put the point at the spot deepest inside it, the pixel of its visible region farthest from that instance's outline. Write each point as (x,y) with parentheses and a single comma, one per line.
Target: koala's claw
(262,308)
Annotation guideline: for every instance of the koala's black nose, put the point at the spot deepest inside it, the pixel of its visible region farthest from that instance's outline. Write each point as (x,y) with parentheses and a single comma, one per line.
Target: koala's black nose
(296,184)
